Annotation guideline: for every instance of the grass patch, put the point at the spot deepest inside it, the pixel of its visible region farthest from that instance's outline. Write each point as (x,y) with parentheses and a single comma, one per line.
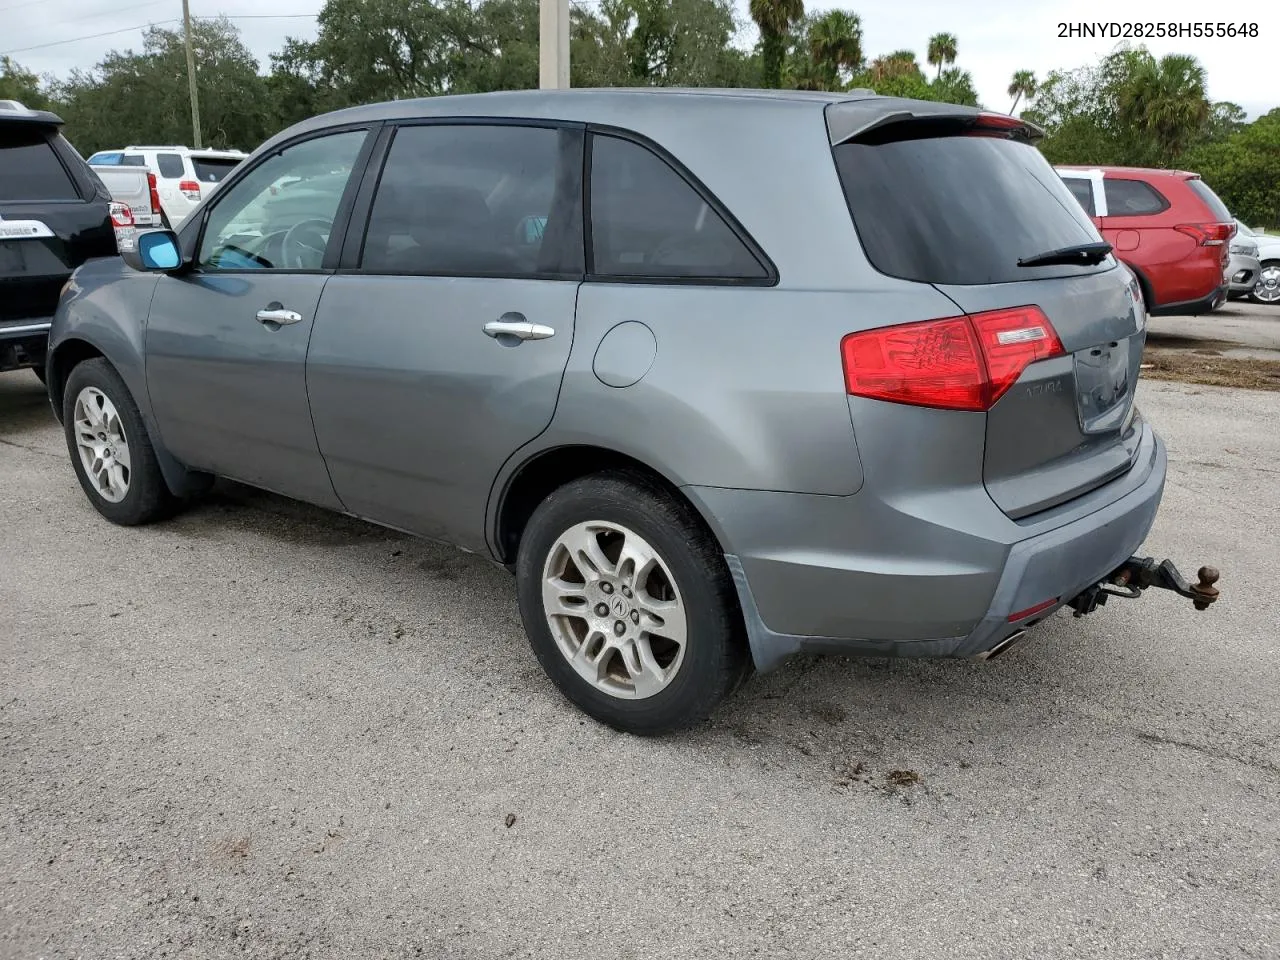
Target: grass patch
(1205,367)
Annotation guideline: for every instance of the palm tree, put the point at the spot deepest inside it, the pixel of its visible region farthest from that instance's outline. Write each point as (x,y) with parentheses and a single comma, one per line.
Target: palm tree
(835,45)
(1167,100)
(942,50)
(1023,85)
(900,63)
(775,18)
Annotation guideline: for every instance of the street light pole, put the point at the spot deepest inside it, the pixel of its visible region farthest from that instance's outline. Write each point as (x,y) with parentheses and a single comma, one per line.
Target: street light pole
(553,44)
(191,74)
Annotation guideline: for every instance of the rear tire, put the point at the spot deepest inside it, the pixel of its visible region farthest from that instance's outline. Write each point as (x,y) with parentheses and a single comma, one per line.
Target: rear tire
(110,449)
(669,645)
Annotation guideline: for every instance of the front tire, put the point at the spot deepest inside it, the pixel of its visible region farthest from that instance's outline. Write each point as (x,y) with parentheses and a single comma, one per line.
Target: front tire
(1267,289)
(110,449)
(628,604)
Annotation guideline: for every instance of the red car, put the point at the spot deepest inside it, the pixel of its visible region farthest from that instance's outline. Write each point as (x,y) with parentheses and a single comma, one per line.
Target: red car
(1167,226)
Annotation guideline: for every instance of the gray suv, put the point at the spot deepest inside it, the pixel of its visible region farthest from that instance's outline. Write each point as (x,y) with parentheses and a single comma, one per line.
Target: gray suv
(721,376)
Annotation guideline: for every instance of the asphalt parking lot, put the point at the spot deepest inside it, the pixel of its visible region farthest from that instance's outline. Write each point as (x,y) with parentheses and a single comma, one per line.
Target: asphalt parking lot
(264,731)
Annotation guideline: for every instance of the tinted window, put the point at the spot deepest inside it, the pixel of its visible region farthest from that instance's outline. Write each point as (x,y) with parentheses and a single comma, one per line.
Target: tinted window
(1211,200)
(30,169)
(213,170)
(467,200)
(133,160)
(1132,198)
(256,226)
(960,209)
(1082,190)
(171,166)
(648,221)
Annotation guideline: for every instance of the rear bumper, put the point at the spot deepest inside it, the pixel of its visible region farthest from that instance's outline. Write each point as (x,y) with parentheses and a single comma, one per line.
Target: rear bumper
(1243,274)
(23,343)
(1191,308)
(929,592)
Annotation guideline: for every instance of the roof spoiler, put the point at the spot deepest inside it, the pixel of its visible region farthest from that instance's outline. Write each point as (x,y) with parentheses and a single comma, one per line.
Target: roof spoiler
(12,110)
(856,119)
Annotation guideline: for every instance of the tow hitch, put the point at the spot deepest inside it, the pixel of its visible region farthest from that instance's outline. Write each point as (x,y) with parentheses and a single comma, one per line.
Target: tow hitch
(1137,573)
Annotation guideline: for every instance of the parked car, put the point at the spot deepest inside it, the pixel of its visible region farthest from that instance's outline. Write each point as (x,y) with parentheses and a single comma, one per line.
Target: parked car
(54,215)
(135,187)
(1167,226)
(1244,267)
(1267,289)
(183,176)
(706,425)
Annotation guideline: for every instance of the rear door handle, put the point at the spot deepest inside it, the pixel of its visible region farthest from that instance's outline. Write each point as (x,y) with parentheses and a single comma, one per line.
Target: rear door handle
(275,315)
(516,326)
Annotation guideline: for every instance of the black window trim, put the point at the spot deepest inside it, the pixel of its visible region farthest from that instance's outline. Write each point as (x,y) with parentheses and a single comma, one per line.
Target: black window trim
(735,226)
(342,216)
(1164,201)
(353,246)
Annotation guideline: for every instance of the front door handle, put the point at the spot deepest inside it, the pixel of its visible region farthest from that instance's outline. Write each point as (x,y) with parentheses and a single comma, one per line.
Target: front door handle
(515,326)
(276,316)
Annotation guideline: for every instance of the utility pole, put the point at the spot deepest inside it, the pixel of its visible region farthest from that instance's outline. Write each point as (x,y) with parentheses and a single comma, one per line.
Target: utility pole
(191,74)
(553,44)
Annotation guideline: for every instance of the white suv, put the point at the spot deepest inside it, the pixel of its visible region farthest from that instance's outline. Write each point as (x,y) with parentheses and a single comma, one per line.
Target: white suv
(182,177)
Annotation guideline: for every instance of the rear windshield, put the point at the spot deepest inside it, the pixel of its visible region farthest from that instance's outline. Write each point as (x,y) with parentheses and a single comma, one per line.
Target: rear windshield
(210,170)
(1216,207)
(30,169)
(960,209)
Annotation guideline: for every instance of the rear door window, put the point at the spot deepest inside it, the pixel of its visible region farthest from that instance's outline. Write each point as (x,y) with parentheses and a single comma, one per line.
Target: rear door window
(1216,207)
(133,160)
(1082,190)
(960,209)
(213,169)
(1132,198)
(30,169)
(171,166)
(648,221)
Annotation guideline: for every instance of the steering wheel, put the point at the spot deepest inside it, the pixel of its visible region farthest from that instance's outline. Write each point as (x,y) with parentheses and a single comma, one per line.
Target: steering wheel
(303,245)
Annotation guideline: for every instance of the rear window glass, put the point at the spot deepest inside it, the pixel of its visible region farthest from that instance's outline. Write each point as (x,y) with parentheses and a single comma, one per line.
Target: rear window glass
(133,160)
(170,165)
(960,209)
(209,170)
(1132,198)
(1211,200)
(30,169)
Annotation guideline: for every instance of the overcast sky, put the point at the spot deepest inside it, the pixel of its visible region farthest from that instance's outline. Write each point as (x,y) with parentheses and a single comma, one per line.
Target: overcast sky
(996,37)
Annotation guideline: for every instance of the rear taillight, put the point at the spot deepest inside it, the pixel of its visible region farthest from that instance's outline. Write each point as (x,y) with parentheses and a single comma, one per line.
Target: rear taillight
(190,189)
(1208,234)
(121,215)
(155,193)
(957,363)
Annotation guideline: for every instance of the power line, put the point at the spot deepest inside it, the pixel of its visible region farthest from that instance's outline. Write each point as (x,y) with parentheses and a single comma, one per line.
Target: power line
(156,23)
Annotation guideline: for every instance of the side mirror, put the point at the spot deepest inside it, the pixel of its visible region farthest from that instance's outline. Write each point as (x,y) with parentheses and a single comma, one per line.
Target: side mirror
(154,250)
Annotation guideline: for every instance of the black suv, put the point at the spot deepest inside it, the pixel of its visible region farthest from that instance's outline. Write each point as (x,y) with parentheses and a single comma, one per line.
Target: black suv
(54,215)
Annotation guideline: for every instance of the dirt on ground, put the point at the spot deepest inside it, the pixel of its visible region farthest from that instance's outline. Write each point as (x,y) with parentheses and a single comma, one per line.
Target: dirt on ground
(1209,366)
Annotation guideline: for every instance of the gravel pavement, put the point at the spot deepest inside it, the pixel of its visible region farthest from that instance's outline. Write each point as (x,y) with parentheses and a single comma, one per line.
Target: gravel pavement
(264,731)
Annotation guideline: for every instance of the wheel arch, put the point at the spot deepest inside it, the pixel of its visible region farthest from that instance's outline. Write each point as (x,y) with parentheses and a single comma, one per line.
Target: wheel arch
(74,350)
(528,484)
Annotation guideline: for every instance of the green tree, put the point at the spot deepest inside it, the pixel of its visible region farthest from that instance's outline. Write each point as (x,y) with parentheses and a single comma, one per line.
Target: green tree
(142,97)
(1244,170)
(942,51)
(18,83)
(954,86)
(1166,100)
(1225,119)
(775,18)
(1022,85)
(835,47)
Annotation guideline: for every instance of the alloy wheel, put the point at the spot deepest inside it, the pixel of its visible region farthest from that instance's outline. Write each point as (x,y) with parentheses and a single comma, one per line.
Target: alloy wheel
(614,609)
(102,444)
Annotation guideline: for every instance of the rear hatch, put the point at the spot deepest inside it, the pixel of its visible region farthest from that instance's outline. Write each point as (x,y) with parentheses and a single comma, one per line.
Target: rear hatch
(52,218)
(958,202)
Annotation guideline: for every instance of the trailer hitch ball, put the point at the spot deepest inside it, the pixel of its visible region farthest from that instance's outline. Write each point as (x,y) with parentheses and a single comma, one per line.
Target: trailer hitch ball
(1204,588)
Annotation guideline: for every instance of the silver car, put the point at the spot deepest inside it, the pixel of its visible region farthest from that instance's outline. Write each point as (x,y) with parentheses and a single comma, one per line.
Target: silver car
(722,377)
(1267,289)
(1244,271)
